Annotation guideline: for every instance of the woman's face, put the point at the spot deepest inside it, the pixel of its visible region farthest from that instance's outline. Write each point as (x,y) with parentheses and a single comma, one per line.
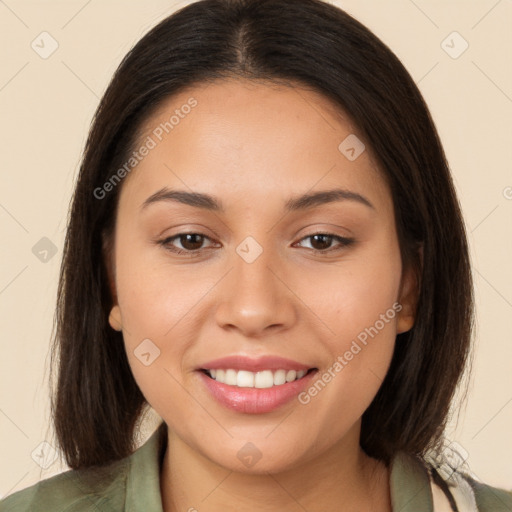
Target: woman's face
(254,283)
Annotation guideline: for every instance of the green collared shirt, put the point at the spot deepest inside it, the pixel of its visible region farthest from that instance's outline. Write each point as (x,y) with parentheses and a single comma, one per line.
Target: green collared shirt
(133,485)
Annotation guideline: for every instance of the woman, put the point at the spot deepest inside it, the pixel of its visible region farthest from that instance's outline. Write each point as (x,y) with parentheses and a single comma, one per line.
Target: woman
(265,246)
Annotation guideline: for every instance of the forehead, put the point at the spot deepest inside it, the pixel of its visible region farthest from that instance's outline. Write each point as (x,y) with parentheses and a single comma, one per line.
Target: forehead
(238,134)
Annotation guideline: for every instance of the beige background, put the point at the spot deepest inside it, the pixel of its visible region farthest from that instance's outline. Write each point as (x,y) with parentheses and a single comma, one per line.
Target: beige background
(46,106)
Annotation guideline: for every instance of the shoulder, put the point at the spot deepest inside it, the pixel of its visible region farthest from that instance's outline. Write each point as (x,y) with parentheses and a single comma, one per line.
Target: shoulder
(131,483)
(440,485)
(468,494)
(98,488)
(491,499)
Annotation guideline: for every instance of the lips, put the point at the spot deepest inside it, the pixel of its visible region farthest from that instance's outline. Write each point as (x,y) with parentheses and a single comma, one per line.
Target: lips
(255,385)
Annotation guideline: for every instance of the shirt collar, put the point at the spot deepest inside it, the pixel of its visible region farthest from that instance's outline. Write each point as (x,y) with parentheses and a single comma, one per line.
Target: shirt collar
(143,480)
(409,485)
(409,480)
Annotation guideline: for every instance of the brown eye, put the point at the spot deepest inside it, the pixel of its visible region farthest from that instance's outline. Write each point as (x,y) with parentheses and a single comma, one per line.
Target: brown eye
(188,242)
(321,242)
(191,241)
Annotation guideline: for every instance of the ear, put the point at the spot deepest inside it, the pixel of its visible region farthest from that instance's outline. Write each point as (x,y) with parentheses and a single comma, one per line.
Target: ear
(114,318)
(409,294)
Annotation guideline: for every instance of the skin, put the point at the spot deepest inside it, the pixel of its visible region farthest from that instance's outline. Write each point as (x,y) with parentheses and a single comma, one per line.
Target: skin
(253,145)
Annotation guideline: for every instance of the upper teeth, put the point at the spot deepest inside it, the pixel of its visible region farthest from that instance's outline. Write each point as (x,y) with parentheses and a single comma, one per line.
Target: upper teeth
(263,379)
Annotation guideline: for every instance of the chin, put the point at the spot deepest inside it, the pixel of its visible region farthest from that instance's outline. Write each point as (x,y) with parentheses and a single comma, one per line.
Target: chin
(257,458)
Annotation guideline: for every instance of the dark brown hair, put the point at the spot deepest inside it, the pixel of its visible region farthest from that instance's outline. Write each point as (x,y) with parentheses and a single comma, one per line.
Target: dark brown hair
(97,404)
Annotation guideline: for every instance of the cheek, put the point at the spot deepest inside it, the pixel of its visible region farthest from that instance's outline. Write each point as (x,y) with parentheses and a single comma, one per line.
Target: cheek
(156,336)
(151,302)
(155,303)
(154,295)
(353,294)
(360,306)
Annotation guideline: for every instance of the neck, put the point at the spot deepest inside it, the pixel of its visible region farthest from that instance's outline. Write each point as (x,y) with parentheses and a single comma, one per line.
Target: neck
(342,478)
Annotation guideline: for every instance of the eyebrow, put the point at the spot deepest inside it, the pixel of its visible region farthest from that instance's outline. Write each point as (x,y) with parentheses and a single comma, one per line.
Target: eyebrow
(303,202)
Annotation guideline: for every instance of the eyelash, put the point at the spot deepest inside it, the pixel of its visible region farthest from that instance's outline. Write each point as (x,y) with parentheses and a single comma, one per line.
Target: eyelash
(166,243)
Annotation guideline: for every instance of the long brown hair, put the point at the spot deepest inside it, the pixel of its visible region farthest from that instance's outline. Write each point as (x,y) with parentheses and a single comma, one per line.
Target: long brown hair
(97,403)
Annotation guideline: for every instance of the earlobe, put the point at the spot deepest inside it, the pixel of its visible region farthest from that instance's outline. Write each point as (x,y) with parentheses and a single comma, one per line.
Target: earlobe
(407,315)
(408,298)
(114,319)
(404,323)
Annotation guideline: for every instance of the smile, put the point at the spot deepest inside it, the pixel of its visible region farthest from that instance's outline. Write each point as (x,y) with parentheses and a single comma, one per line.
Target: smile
(262,379)
(254,386)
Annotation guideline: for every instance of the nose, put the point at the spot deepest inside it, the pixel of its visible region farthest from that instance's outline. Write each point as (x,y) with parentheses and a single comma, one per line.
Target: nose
(255,298)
